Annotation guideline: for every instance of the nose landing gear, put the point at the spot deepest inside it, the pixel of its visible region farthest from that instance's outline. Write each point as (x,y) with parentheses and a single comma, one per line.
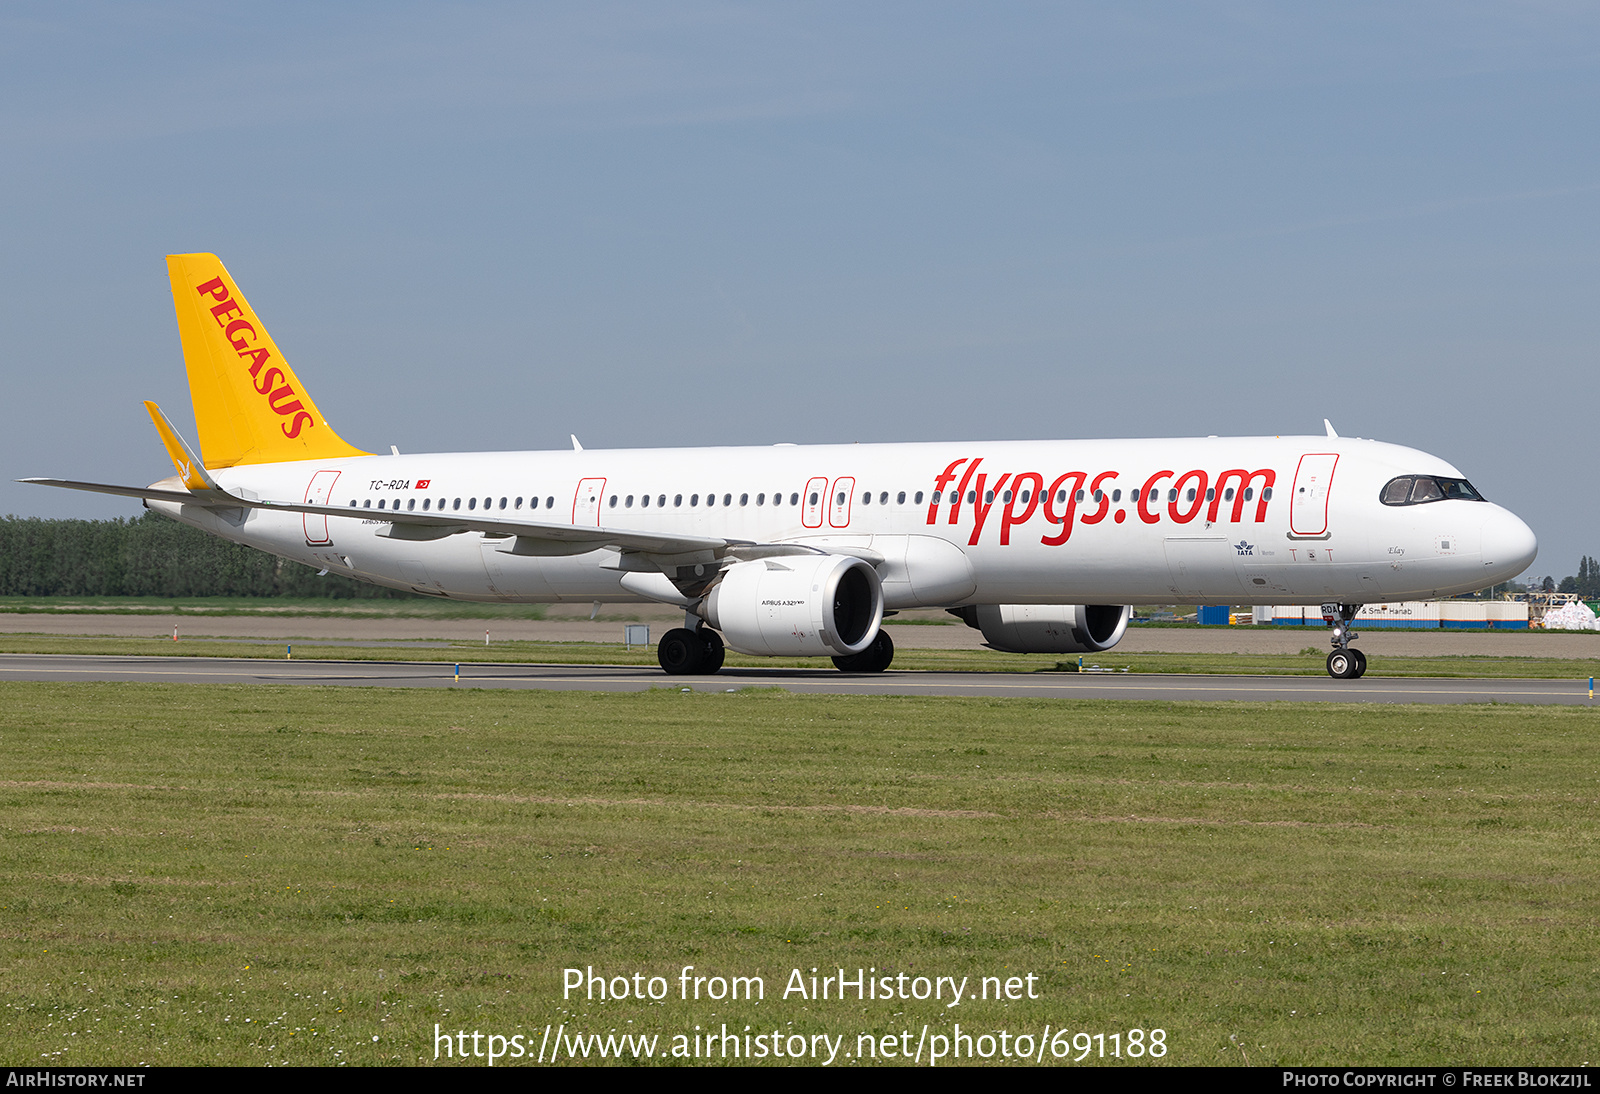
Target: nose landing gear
(1344,663)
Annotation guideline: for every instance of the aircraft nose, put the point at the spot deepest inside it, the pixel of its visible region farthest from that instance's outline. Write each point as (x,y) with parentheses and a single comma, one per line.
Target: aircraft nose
(1509,546)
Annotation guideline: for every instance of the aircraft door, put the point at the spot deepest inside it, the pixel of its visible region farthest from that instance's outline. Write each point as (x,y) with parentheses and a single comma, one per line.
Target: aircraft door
(813,502)
(1308,504)
(318,491)
(839,499)
(586,501)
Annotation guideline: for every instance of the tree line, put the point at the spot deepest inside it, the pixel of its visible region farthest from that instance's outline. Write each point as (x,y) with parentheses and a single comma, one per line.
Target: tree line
(152,556)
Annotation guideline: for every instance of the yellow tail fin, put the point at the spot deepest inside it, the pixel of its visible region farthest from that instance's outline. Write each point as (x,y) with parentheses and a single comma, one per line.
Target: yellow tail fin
(249,406)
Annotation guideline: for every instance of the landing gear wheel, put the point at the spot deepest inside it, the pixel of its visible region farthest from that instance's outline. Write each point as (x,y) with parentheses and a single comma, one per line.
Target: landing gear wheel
(875,658)
(682,652)
(714,651)
(1361,664)
(1342,665)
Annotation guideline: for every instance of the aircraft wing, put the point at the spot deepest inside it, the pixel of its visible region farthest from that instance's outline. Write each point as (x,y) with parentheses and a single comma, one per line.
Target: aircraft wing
(577,538)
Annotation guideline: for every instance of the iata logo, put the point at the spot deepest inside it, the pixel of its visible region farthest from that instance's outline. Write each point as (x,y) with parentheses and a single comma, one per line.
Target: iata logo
(1244,548)
(242,336)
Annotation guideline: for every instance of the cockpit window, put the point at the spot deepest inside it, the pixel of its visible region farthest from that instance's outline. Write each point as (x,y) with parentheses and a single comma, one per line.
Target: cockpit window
(1416,489)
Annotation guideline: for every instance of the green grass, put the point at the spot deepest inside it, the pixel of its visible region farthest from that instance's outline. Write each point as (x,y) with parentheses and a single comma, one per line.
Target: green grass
(1302,884)
(1311,663)
(409,607)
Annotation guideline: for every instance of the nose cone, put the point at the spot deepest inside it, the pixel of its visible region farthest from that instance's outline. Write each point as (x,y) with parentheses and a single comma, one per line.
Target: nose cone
(1509,546)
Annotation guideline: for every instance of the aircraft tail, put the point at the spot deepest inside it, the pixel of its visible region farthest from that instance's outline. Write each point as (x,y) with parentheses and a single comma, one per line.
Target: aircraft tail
(249,407)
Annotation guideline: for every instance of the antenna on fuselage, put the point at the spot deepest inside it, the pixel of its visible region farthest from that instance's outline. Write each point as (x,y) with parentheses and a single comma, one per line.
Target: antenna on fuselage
(576,447)
(1329,426)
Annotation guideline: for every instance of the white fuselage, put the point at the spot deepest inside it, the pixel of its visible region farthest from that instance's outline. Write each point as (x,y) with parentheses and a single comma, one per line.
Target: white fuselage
(1232,521)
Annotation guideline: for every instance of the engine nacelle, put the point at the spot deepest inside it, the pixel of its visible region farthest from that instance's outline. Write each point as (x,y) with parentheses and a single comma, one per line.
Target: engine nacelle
(797,606)
(1050,628)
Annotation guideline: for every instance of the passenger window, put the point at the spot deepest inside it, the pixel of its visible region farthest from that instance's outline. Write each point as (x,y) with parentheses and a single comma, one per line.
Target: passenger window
(1227,495)
(1211,494)
(794,499)
(841,497)
(866,498)
(1116,495)
(380,503)
(487,502)
(425,502)
(1099,496)
(515,505)
(472,503)
(1080,497)
(1006,497)
(694,499)
(988,497)
(411,503)
(936,494)
(813,497)
(900,499)
(677,500)
(883,498)
(972,497)
(628,504)
(613,502)
(744,499)
(644,502)
(502,502)
(761,499)
(727,499)
(1172,495)
(1189,494)
(1266,495)
(1249,493)
(533,503)
(1061,497)
(1026,494)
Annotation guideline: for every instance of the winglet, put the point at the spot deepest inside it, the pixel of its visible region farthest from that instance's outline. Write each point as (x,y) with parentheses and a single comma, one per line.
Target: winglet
(190,469)
(1329,426)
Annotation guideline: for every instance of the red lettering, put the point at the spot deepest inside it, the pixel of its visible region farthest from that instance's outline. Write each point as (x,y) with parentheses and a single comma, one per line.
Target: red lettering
(235,338)
(259,356)
(1199,497)
(287,408)
(955,502)
(1267,477)
(1072,507)
(225,309)
(1009,516)
(980,507)
(1147,494)
(939,484)
(270,377)
(215,287)
(1105,499)
(292,429)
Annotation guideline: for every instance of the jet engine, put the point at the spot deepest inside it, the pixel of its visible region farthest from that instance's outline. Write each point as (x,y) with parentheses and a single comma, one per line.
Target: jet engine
(1048,628)
(797,606)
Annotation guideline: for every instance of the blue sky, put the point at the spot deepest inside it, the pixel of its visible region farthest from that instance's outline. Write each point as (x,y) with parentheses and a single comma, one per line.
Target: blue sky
(479,226)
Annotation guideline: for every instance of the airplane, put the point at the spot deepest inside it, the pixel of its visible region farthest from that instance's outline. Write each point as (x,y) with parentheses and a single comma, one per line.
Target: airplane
(801,551)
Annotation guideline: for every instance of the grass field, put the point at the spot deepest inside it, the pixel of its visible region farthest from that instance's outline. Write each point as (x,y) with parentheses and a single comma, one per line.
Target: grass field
(252,875)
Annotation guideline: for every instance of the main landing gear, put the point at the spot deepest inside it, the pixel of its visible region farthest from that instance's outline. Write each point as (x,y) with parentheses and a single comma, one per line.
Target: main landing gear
(684,652)
(875,658)
(1344,663)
